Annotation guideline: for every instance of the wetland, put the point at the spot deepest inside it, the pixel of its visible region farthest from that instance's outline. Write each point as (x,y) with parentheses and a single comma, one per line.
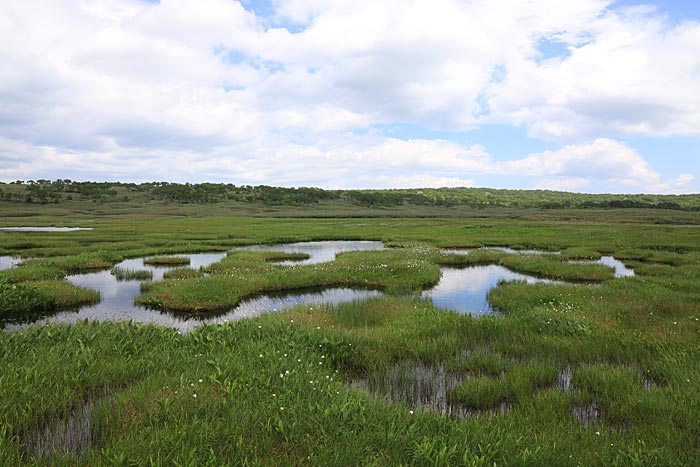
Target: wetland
(366,341)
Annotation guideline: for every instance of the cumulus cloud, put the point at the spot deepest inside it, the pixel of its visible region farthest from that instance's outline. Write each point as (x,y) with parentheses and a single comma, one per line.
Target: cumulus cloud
(562,184)
(602,159)
(617,82)
(412,181)
(604,162)
(192,90)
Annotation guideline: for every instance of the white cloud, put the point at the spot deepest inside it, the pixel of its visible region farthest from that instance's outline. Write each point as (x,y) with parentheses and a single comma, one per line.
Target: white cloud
(412,181)
(204,89)
(680,184)
(616,83)
(602,159)
(562,184)
(604,162)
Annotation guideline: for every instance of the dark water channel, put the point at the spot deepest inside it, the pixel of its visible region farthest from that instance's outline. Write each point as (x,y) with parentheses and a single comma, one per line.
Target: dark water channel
(462,289)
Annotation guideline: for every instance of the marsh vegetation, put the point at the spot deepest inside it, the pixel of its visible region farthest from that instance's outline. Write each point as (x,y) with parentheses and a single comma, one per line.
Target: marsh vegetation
(585,367)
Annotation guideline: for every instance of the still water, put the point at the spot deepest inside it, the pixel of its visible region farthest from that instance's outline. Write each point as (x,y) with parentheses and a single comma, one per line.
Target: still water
(43,229)
(319,252)
(465,289)
(620,269)
(7,262)
(117,302)
(461,289)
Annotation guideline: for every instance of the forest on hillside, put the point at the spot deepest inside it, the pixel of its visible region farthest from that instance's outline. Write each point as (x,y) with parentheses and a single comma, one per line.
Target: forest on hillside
(58,191)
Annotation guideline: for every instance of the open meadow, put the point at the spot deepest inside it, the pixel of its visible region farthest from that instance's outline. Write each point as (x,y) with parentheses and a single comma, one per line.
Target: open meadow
(583,368)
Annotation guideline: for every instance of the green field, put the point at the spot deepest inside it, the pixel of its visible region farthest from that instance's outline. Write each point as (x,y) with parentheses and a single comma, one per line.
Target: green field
(597,371)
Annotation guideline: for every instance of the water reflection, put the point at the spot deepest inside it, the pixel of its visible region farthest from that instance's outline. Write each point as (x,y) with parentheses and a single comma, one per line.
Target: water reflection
(462,289)
(620,269)
(117,302)
(283,301)
(319,252)
(196,261)
(7,262)
(43,229)
(465,289)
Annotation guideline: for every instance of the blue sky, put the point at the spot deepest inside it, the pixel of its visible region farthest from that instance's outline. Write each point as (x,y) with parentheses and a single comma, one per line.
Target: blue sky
(583,95)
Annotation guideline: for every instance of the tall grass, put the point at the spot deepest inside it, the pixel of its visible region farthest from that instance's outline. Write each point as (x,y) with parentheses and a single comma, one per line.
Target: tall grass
(276,392)
(123,274)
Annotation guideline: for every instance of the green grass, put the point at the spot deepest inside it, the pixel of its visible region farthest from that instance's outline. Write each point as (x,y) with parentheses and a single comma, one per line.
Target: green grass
(167,261)
(73,264)
(580,254)
(26,300)
(278,389)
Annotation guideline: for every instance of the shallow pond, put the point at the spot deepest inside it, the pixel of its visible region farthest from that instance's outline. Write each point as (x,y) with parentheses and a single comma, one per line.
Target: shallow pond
(422,387)
(319,252)
(7,262)
(465,289)
(43,229)
(196,261)
(620,269)
(117,302)
(461,289)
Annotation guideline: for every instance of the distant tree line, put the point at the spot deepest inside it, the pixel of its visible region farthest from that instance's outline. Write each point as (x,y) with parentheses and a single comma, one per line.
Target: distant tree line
(56,191)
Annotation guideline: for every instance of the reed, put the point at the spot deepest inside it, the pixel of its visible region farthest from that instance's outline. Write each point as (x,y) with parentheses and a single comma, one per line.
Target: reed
(123,274)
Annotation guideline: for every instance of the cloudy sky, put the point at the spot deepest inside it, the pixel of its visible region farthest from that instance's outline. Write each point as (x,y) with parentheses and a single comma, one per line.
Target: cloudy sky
(577,95)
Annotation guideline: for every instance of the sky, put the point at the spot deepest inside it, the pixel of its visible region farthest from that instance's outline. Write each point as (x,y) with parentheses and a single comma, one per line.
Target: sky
(594,96)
